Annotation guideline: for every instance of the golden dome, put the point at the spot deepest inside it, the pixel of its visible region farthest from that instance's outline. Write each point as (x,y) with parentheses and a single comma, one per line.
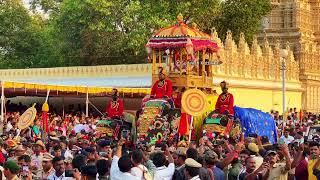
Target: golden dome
(181,30)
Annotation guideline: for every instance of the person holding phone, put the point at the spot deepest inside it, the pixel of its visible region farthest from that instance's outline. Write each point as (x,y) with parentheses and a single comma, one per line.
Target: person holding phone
(159,160)
(24,162)
(137,159)
(121,165)
(60,172)
(91,154)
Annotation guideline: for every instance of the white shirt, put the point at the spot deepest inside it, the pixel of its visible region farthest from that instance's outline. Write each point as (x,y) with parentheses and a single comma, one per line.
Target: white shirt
(68,154)
(287,140)
(116,174)
(195,178)
(9,126)
(164,173)
(138,171)
(62,177)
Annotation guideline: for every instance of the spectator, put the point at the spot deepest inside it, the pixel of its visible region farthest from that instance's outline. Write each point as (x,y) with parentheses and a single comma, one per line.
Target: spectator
(58,165)
(24,162)
(179,160)
(89,172)
(121,165)
(279,169)
(252,172)
(210,158)
(103,169)
(193,153)
(20,151)
(37,157)
(286,138)
(192,169)
(57,152)
(138,169)
(314,155)
(300,164)
(2,156)
(79,161)
(162,171)
(244,154)
(91,154)
(47,168)
(11,170)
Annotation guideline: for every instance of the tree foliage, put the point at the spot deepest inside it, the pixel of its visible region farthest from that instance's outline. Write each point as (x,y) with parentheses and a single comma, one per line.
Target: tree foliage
(24,38)
(92,32)
(242,16)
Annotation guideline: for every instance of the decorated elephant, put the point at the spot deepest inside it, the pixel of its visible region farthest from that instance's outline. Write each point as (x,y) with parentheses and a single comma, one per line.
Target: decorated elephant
(219,124)
(118,127)
(245,120)
(157,121)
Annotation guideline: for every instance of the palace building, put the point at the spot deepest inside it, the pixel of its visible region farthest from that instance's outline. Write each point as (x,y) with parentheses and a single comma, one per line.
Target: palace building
(253,72)
(297,23)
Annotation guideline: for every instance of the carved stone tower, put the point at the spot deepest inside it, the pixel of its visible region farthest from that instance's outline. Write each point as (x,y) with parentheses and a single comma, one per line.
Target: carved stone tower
(298,23)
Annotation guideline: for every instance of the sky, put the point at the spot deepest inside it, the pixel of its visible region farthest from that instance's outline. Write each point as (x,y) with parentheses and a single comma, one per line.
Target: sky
(26,3)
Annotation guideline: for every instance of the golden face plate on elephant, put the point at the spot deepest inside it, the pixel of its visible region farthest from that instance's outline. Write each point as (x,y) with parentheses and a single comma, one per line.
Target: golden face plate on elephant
(214,128)
(104,130)
(27,118)
(144,125)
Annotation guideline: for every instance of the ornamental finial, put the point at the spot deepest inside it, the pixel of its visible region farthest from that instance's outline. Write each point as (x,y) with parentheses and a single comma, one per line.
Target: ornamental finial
(180,17)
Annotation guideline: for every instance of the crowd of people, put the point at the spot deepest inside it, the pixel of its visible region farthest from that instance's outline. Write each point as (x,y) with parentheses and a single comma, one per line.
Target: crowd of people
(68,152)
(73,149)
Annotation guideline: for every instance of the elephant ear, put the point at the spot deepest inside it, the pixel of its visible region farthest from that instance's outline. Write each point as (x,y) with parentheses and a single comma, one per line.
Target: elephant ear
(175,112)
(113,124)
(128,117)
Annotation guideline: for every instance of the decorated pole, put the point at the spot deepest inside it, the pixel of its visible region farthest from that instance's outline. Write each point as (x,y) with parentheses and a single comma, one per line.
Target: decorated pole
(194,102)
(191,129)
(45,110)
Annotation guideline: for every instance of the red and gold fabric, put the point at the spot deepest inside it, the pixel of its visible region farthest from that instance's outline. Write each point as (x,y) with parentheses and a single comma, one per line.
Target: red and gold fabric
(115,108)
(225,103)
(184,124)
(177,100)
(181,35)
(160,89)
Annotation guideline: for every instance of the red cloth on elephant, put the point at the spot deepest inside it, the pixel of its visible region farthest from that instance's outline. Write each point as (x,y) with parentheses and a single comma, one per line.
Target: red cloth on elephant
(161,89)
(225,103)
(177,100)
(184,124)
(115,108)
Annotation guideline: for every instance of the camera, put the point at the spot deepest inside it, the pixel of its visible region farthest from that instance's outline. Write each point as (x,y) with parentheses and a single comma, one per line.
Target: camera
(69,173)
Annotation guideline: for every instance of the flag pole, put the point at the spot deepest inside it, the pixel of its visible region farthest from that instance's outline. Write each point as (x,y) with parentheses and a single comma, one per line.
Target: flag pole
(191,128)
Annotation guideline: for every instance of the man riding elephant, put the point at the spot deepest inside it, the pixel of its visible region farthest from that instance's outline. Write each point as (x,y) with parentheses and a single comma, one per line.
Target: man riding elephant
(162,89)
(224,104)
(115,106)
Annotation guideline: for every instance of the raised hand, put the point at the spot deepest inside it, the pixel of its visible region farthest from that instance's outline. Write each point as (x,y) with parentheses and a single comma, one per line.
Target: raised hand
(121,142)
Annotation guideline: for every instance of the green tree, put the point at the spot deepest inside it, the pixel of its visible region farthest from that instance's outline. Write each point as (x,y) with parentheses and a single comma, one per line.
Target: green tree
(103,31)
(24,38)
(92,32)
(15,34)
(47,6)
(242,16)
